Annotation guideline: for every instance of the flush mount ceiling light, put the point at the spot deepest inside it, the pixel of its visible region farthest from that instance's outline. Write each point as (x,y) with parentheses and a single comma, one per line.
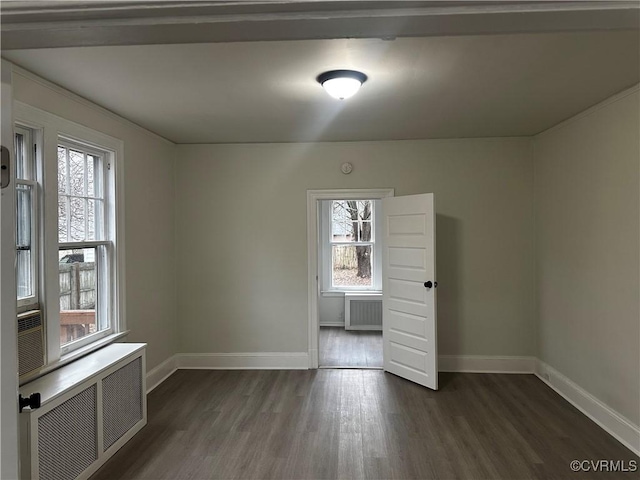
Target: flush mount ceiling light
(341,84)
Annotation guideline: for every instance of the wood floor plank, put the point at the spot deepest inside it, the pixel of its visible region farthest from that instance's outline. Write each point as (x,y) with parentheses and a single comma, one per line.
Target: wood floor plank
(329,424)
(350,348)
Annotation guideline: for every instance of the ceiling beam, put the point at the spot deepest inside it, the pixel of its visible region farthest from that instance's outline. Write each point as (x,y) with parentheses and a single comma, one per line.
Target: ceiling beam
(54,24)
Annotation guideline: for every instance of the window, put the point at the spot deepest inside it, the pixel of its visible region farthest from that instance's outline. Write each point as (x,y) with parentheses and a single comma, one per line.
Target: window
(351,259)
(27,219)
(69,234)
(84,245)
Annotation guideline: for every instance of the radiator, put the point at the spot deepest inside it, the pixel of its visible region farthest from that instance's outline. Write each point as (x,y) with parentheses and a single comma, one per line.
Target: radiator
(90,408)
(363,311)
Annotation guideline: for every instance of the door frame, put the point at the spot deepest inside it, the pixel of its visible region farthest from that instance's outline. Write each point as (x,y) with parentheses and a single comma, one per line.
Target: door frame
(313,197)
(9,439)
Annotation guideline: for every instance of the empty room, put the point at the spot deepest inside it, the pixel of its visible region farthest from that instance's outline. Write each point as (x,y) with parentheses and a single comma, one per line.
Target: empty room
(320,239)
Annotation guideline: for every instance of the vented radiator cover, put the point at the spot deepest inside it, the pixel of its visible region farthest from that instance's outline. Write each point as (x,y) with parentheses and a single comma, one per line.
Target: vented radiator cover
(363,311)
(68,437)
(121,401)
(83,423)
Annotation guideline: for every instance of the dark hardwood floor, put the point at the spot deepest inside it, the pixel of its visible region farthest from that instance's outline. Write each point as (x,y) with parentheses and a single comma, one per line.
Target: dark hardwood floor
(325,424)
(350,348)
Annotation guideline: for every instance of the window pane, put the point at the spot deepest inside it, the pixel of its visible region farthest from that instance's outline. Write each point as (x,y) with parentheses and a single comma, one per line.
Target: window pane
(364,214)
(76,173)
(364,231)
(21,160)
(351,221)
(76,220)
(62,170)
(24,274)
(24,260)
(91,166)
(351,266)
(341,225)
(63,223)
(78,274)
(91,219)
(23,202)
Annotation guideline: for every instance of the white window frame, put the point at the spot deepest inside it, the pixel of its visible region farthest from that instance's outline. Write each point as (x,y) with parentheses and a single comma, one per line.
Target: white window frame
(327,287)
(55,129)
(103,248)
(31,138)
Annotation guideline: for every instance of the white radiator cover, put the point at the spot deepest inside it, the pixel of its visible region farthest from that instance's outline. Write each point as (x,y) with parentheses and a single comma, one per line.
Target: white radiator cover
(90,408)
(363,311)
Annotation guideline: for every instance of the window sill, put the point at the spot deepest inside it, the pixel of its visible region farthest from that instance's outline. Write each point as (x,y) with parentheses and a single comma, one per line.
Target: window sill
(76,354)
(341,293)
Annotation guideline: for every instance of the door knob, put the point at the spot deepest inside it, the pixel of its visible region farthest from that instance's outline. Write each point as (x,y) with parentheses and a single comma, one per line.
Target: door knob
(32,401)
(5,163)
(430,284)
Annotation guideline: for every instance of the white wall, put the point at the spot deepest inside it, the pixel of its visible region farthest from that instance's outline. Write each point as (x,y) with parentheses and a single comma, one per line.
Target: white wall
(587,251)
(330,310)
(241,238)
(149,210)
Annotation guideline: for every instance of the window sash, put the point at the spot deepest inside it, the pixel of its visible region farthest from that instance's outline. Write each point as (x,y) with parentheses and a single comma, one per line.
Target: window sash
(25,158)
(26,266)
(328,243)
(103,293)
(93,226)
(26,244)
(372,266)
(101,242)
(353,244)
(345,222)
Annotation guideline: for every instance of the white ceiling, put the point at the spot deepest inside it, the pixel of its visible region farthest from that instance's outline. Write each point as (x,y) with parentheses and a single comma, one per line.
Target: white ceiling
(422,87)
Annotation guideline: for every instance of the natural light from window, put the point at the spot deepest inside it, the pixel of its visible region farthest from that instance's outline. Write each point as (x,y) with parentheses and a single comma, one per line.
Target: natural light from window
(83,246)
(352,240)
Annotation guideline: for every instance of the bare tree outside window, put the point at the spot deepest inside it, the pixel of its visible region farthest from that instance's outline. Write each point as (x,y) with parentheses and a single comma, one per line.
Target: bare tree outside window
(78,196)
(352,242)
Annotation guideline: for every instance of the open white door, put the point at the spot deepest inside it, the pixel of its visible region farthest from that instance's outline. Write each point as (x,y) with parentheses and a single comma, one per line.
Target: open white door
(408,286)
(8,339)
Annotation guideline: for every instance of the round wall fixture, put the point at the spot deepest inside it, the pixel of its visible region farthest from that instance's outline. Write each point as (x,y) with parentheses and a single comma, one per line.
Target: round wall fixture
(341,84)
(346,168)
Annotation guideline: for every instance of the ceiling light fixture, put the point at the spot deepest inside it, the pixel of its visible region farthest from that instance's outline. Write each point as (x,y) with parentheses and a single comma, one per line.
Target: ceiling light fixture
(342,84)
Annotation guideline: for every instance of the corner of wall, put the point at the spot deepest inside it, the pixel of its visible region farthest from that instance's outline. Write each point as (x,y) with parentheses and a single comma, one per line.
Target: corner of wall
(534,257)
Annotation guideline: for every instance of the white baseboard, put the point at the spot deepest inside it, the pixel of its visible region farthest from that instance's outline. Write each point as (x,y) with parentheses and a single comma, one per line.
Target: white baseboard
(332,324)
(244,361)
(160,373)
(607,418)
(300,360)
(485,364)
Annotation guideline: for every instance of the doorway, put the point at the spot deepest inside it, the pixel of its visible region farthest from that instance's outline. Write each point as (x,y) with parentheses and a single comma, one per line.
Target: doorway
(350,280)
(409,325)
(345,297)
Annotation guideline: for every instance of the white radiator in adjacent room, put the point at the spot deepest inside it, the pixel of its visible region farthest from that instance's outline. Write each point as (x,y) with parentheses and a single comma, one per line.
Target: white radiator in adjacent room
(89,409)
(363,311)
